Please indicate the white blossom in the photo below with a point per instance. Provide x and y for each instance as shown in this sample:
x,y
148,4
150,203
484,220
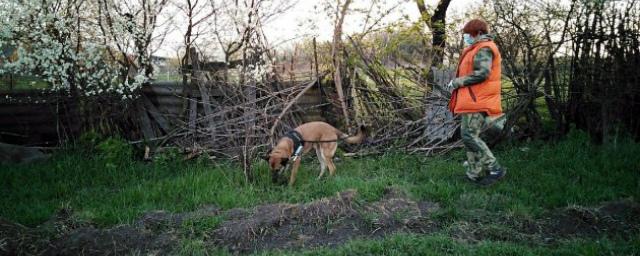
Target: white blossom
x,y
46,45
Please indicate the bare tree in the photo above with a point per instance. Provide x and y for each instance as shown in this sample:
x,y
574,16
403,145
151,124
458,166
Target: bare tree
x,y
529,38
602,84
196,12
336,55
130,28
436,22
236,29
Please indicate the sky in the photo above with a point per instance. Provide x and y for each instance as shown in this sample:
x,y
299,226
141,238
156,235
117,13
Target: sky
x,y
307,20
288,25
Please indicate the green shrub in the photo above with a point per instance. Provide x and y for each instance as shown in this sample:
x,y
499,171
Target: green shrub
x,y
168,156
113,151
89,140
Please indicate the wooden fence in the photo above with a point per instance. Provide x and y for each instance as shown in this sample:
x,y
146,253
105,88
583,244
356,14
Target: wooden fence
x,y
36,117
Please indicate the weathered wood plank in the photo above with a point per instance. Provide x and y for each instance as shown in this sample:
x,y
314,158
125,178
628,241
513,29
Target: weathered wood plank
x,y
193,115
156,114
145,121
200,80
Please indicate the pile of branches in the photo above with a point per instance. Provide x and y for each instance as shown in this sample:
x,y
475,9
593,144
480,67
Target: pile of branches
x,y
400,110
405,111
239,122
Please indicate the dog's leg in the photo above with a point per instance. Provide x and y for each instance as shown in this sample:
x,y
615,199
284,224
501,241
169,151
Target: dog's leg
x,y
294,171
332,167
327,154
323,166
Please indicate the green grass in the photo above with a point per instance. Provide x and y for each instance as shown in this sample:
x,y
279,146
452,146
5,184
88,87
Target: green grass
x,y
199,226
108,190
168,77
22,83
404,244
440,244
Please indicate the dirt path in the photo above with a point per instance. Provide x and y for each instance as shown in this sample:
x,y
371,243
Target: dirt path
x,y
326,222
329,222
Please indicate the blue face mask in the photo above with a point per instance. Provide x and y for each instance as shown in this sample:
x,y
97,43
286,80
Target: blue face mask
x,y
468,39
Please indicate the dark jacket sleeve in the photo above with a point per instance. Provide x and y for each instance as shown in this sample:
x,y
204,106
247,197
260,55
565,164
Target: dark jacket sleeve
x,y
482,62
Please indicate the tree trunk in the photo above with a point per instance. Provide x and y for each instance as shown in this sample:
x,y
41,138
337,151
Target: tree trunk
x,y
337,59
439,29
437,24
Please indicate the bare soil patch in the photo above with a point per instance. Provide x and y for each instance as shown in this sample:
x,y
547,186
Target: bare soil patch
x,y
616,219
327,222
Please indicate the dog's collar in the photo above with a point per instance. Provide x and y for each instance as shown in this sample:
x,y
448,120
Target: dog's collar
x,y
298,142
298,145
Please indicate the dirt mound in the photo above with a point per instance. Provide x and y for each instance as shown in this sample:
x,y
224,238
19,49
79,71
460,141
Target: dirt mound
x,y
325,222
18,239
611,219
154,233
13,236
618,218
158,221
113,241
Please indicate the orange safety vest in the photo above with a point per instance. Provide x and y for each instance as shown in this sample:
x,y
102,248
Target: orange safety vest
x,y
481,97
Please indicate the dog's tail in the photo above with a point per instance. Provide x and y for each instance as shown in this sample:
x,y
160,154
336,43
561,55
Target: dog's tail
x,y
356,139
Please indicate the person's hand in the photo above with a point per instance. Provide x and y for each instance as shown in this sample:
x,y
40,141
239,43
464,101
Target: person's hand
x,y
450,86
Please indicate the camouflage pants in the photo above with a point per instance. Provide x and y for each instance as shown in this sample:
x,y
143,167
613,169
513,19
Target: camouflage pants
x,y
480,160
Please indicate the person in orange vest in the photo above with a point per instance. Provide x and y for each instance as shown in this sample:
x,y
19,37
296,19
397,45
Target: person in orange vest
x,y
476,98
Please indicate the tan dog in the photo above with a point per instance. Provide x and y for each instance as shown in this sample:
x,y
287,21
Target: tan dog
x,y
320,136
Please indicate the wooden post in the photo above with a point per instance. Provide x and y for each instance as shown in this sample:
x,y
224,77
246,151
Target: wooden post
x,y
315,59
291,76
186,90
197,78
193,115
311,73
317,77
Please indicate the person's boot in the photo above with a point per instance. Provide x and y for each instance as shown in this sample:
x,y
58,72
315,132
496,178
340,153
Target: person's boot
x,y
493,177
498,173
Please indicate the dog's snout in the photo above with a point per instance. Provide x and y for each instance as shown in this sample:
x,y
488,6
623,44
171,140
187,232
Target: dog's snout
x,y
275,176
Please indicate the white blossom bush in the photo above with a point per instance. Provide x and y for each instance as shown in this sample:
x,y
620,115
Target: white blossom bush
x,y
60,48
